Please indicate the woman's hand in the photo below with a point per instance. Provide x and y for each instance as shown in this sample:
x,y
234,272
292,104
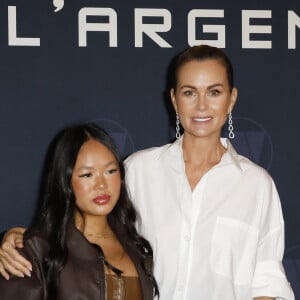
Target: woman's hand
x,y
10,259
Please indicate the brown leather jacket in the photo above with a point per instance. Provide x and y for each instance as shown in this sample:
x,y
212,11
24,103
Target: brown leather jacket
x,y
81,278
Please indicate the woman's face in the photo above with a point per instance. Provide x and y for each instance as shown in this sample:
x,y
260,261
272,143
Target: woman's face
x,y
203,98
96,180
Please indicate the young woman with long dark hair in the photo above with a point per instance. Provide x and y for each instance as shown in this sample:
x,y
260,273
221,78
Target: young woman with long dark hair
x,y
83,243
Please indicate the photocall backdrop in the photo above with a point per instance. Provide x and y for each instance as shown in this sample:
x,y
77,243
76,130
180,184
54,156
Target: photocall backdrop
x,y
106,61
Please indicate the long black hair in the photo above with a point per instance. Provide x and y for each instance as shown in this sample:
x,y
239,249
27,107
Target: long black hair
x,y
57,203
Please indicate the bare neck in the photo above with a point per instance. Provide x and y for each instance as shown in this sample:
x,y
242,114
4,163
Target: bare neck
x,y
199,151
91,225
200,155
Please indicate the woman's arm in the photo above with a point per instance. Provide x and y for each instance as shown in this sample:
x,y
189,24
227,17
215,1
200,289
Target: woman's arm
x,y
269,276
10,259
33,287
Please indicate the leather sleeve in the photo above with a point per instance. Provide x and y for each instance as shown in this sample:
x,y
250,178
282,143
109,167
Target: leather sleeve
x,y
34,287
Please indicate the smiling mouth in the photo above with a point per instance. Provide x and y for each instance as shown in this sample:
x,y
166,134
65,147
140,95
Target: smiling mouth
x,y
202,119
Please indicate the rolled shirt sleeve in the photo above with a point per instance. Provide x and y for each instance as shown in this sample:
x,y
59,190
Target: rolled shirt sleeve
x,y
269,276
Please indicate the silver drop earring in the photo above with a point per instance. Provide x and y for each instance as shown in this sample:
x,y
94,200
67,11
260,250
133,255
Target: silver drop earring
x,y
230,126
177,127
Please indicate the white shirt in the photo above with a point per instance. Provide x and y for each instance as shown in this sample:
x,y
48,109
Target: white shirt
x,y
224,240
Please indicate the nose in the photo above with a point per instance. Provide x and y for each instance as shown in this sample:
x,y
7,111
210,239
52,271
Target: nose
x,y
201,102
100,182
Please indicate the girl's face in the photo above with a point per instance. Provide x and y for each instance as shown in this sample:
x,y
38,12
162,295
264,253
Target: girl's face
x,y
96,180
203,98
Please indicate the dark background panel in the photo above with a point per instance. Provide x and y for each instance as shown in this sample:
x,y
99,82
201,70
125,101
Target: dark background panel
x,y
123,89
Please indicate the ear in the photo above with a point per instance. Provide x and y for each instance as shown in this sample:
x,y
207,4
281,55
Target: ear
x,y
173,99
233,98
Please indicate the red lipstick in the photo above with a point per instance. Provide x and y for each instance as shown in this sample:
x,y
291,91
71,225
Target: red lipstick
x,y
102,199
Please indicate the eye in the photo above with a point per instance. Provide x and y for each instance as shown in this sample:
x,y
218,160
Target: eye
x,y
111,171
188,93
86,175
214,92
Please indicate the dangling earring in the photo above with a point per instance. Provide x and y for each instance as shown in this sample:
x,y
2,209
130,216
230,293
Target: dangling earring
x,y
177,126
230,126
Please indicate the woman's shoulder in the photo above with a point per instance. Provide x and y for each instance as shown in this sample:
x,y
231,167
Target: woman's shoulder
x,y
34,235
149,154
35,244
253,170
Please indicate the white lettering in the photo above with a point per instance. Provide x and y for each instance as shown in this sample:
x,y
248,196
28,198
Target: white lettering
x,y
151,29
152,22
218,29
247,29
58,4
84,27
13,39
293,21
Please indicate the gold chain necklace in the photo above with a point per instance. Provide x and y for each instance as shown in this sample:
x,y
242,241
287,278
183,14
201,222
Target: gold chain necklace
x,y
104,235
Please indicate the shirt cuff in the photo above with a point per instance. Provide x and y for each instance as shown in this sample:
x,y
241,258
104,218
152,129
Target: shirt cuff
x,y
270,281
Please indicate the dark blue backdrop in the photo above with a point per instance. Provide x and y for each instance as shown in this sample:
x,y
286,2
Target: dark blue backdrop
x,y
49,79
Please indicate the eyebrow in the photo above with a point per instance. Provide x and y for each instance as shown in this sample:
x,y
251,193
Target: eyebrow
x,y
209,87
215,85
113,162
187,86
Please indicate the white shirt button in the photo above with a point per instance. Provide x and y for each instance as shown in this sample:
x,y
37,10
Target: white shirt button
x,y
187,238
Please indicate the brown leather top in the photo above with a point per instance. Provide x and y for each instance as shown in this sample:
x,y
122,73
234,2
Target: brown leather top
x,y
123,288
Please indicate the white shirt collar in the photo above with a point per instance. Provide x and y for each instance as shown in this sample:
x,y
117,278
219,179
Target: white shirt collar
x,y
174,152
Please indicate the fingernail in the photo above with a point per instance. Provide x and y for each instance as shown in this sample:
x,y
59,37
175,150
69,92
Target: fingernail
x,y
28,273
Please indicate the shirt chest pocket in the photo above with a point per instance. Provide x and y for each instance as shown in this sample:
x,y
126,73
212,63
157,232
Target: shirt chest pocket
x,y
233,250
